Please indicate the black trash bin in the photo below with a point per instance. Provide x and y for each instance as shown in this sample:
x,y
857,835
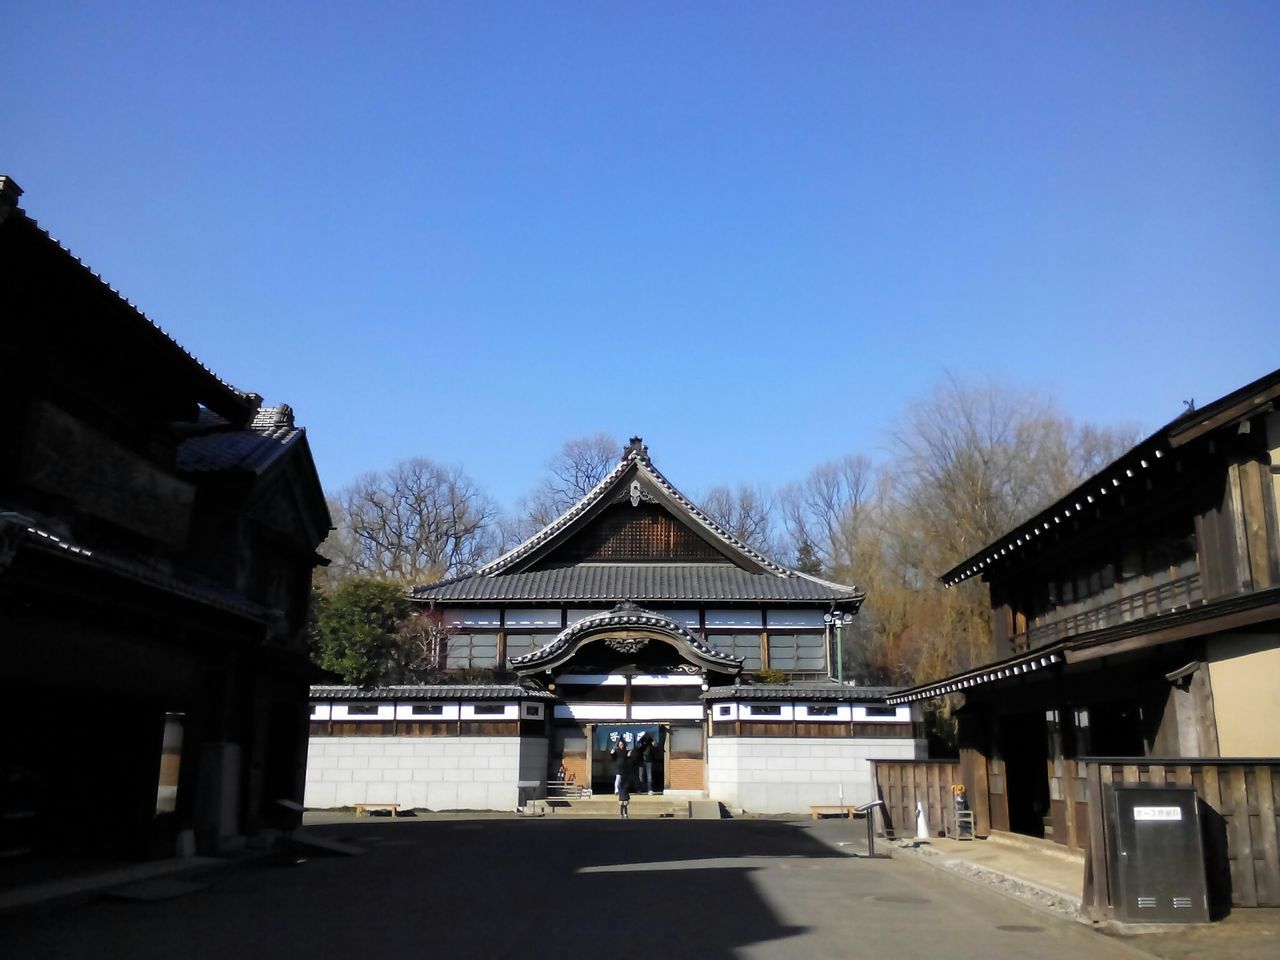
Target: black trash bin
x,y
1156,852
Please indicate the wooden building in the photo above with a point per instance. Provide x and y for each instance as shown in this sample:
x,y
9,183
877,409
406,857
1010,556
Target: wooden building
x,y
1138,626
635,612
157,535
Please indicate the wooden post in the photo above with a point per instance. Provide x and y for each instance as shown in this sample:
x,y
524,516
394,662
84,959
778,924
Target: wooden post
x,y
1097,886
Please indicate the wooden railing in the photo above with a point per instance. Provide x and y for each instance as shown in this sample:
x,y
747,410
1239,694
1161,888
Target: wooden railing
x,y
901,784
1242,797
1161,598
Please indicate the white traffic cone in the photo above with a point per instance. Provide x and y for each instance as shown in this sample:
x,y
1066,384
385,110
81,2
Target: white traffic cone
x,y
922,825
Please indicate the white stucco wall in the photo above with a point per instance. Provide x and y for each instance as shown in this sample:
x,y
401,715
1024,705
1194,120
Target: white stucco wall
x,y
789,775
432,773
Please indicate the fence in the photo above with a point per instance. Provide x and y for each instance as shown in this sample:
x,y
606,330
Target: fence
x,y
904,783
1243,799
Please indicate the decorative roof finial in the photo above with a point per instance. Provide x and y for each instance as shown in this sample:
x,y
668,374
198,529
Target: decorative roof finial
x,y
9,194
636,448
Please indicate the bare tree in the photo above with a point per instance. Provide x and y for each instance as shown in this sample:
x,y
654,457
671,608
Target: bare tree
x,y
416,523
571,474
824,512
747,513
971,461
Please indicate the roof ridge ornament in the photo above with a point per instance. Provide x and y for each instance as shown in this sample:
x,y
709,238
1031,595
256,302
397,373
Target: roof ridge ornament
x,y
636,449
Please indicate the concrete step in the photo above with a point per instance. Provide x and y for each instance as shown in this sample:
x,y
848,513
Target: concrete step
x,y
640,807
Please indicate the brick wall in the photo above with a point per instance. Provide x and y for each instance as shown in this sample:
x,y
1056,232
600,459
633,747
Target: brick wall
x,y
686,774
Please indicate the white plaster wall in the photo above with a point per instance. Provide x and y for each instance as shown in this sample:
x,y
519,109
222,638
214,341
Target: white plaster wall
x,y
789,775
432,773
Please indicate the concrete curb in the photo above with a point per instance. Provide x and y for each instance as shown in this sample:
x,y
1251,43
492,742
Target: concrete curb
x,y
1026,891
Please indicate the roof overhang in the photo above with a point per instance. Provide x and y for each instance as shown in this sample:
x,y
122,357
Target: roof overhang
x,y
1234,613
1130,470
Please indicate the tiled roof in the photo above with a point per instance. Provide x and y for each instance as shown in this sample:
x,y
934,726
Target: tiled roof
x,y
636,458
1133,471
431,692
801,691
639,582
182,583
225,448
225,392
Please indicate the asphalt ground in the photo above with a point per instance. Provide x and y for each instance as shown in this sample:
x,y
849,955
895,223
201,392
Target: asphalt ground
x,y
560,889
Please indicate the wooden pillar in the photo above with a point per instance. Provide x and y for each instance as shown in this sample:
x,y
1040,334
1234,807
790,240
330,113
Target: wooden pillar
x,y
974,745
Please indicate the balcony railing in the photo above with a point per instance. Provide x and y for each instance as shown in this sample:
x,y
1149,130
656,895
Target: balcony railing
x,y
1162,598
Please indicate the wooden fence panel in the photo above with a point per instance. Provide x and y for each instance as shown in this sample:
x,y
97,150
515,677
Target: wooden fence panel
x,y
902,784
1245,794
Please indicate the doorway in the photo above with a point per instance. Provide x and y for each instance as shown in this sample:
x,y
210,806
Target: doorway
x,y
1024,744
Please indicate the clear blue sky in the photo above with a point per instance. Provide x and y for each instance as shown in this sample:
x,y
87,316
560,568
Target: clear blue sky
x,y
748,231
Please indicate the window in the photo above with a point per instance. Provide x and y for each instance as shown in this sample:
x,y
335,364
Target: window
x,y
489,710
362,710
724,710
518,644
797,651
463,618
821,710
471,650
734,618
686,742
794,618
544,617
882,711
427,710
744,645
770,711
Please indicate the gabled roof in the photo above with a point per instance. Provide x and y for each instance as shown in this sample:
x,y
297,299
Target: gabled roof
x,y
641,582
221,446
207,387
743,573
1124,473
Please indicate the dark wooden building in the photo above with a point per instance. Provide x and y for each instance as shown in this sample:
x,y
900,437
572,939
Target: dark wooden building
x,y
157,535
1138,621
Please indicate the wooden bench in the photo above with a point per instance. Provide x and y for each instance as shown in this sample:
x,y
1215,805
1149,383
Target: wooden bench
x,y
362,809
834,810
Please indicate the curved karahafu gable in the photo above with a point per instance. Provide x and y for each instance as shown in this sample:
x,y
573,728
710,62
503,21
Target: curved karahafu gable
x,y
637,624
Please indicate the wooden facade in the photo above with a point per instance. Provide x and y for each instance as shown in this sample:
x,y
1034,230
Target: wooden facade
x,y
157,535
1241,811
1139,616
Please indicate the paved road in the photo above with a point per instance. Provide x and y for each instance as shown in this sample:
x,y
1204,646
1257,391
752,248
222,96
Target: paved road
x,y
566,889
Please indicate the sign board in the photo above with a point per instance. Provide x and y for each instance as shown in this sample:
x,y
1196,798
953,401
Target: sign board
x,y
1157,813
608,734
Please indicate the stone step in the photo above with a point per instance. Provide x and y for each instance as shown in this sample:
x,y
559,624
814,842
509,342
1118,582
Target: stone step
x,y
640,807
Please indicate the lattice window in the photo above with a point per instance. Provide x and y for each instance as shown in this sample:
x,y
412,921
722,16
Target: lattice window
x,y
624,533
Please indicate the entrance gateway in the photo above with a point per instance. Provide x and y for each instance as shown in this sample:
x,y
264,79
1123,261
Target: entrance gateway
x,y
632,610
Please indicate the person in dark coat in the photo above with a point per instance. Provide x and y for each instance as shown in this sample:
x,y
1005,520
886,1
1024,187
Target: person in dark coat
x,y
621,765
645,749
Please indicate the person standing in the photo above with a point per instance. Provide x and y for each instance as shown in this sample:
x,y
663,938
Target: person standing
x,y
646,748
624,798
621,766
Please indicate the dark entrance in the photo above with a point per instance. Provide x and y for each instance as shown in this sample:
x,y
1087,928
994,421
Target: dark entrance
x,y
1024,744
605,735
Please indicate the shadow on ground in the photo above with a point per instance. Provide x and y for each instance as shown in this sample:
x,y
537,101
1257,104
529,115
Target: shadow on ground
x,y
461,888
